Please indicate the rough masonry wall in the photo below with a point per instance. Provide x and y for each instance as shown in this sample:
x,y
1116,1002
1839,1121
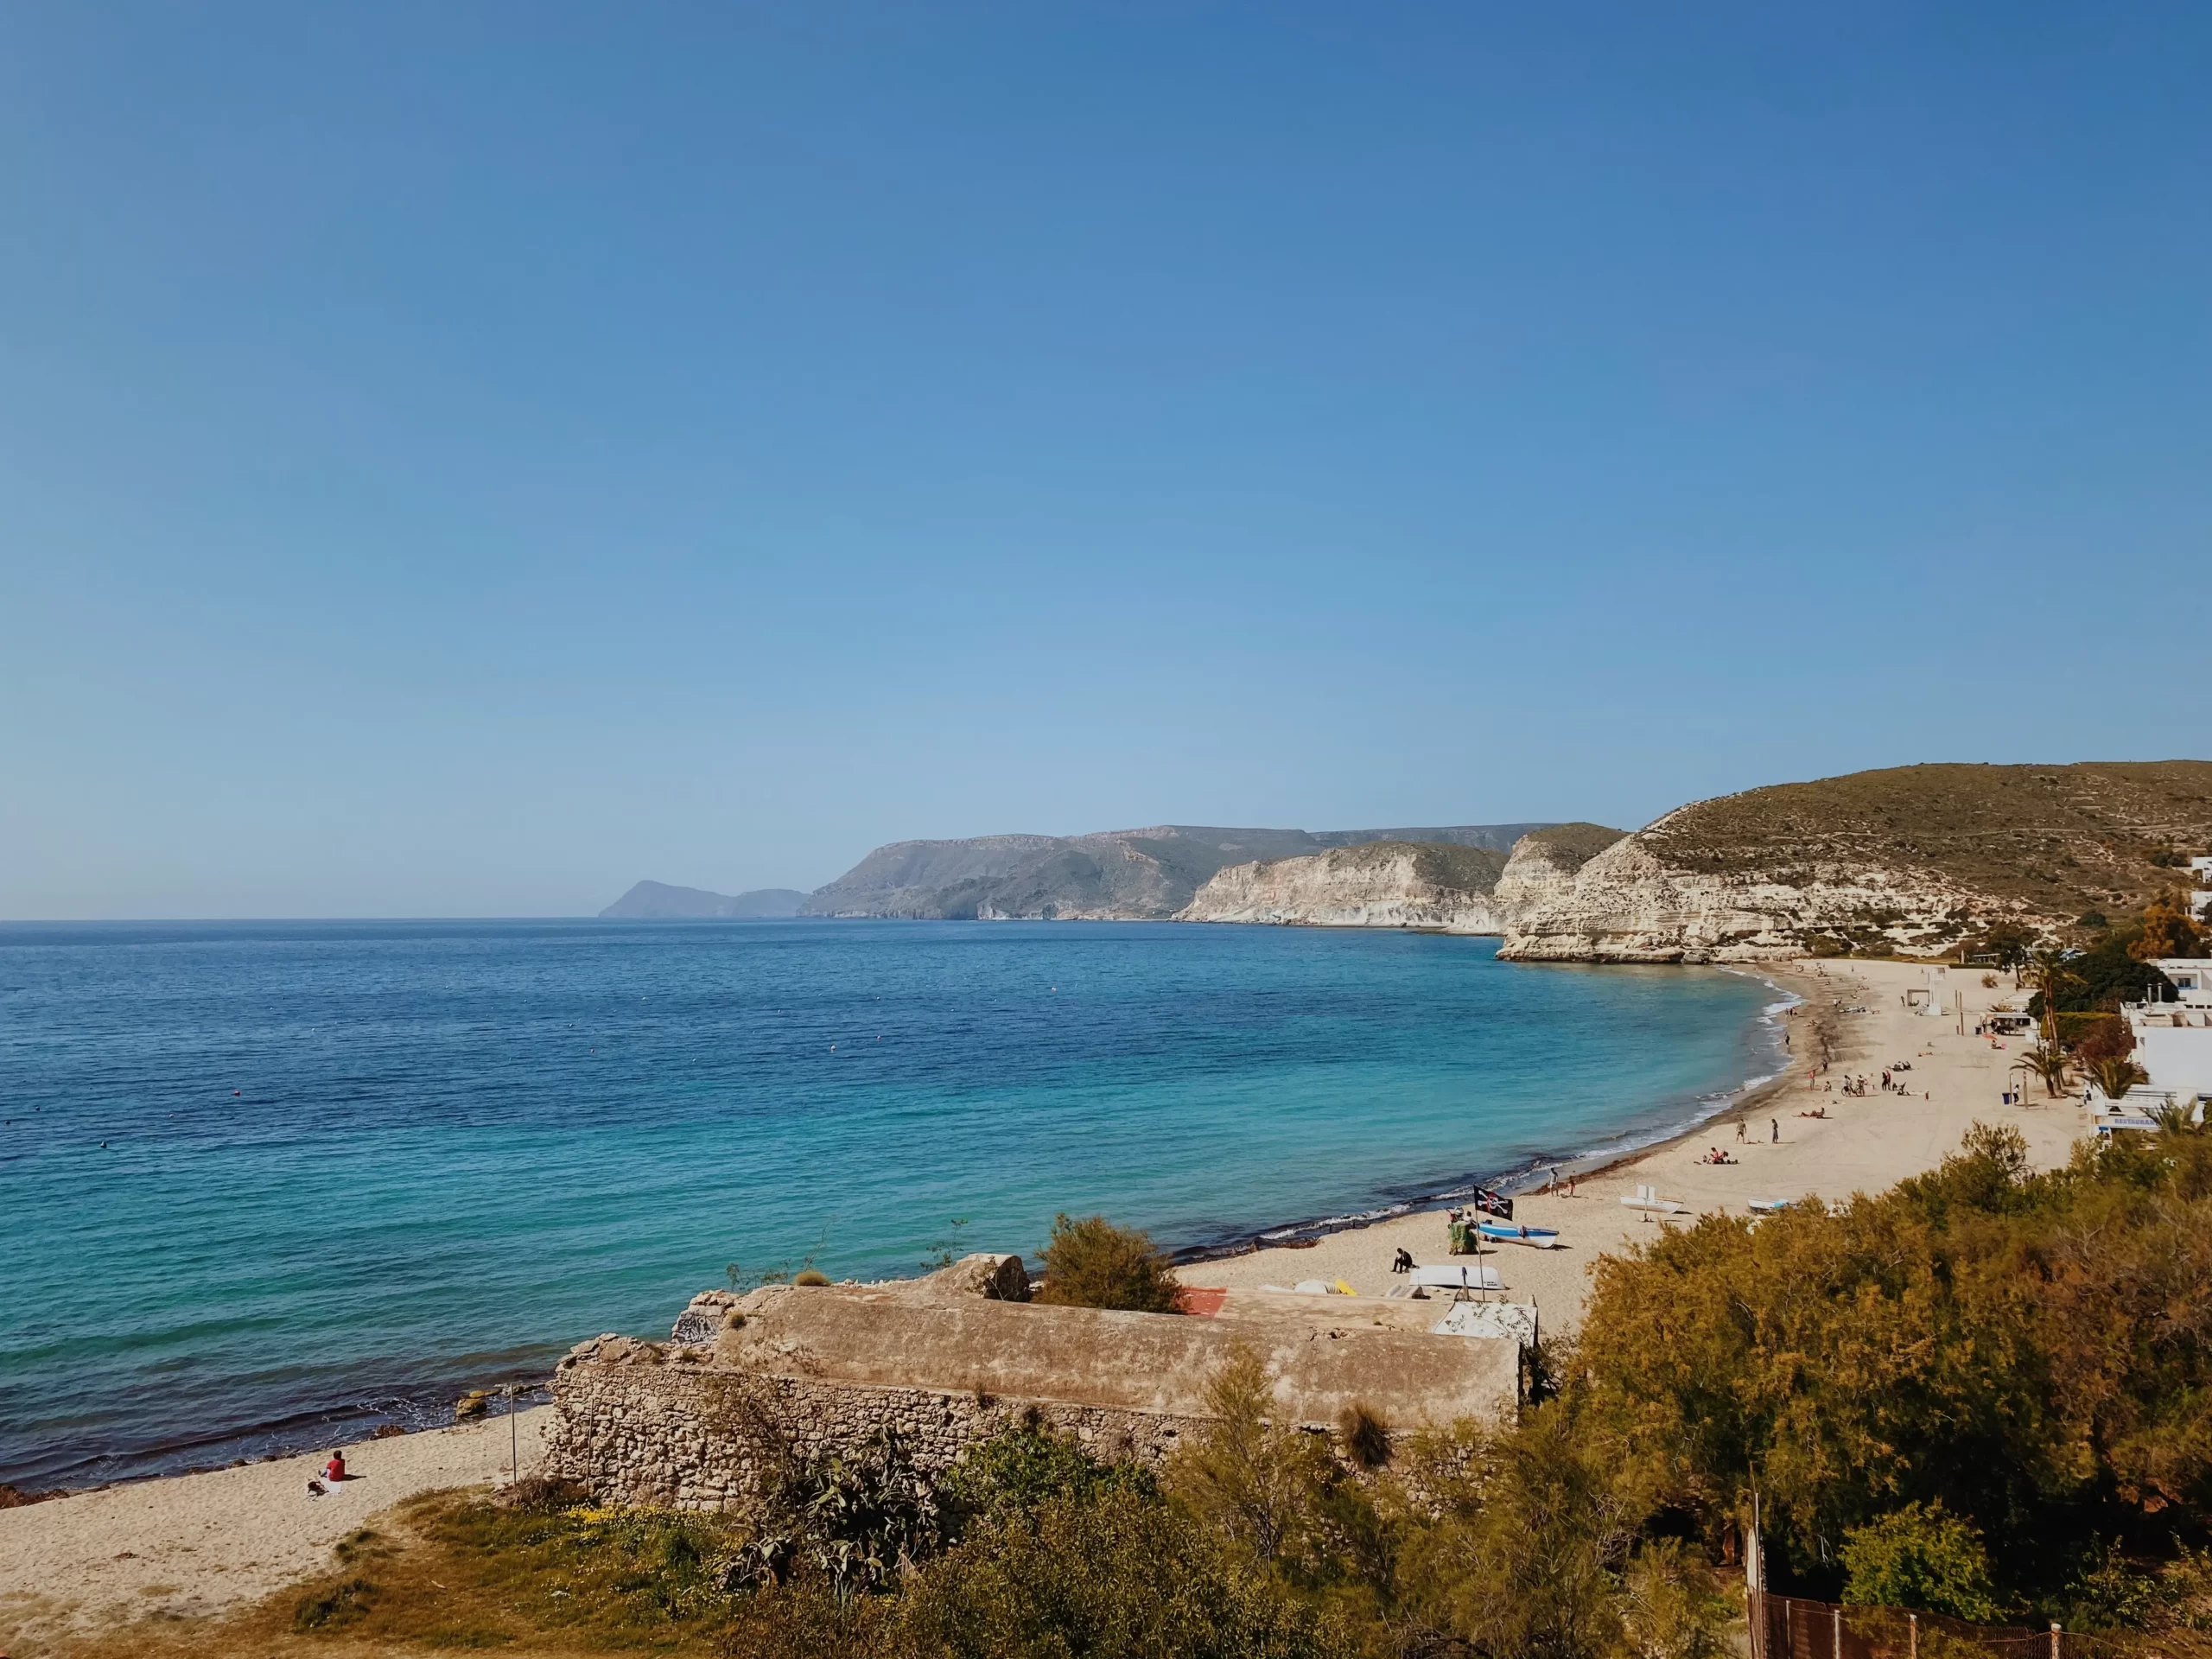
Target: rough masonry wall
x,y
636,1423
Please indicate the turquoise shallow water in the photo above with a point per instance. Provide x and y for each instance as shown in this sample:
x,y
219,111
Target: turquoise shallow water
x,y
352,1167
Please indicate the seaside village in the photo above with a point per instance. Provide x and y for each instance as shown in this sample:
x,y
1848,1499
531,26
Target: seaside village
x,y
1422,1321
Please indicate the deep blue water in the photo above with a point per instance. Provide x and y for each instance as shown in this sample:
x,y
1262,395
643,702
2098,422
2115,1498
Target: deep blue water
x,y
258,1177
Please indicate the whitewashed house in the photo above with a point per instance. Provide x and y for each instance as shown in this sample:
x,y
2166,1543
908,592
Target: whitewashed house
x,y
2173,1041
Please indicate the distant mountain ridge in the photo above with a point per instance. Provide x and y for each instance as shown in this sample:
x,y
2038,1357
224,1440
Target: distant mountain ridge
x,y
1148,874
656,901
1916,860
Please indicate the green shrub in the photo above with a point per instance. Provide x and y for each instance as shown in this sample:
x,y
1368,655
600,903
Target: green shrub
x,y
855,1522
1122,1576
1671,1610
2090,1036
1923,1560
1364,1435
2107,1592
1093,1263
1530,1531
1020,1469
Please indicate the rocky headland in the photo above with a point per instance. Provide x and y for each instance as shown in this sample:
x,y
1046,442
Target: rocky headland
x,y
1452,889
1916,860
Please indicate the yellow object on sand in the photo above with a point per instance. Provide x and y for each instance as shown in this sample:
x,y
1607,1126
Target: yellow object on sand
x,y
1343,1289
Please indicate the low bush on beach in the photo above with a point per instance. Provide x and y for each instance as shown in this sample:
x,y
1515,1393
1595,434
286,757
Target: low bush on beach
x,y
1092,1263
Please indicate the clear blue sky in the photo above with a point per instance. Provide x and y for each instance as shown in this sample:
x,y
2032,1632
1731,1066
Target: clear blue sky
x,y
461,459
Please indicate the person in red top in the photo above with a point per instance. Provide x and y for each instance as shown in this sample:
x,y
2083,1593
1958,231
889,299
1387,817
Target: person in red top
x,y
336,1469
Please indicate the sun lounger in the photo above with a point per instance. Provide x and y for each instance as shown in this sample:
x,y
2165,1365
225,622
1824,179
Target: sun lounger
x,y
1768,1206
1647,1198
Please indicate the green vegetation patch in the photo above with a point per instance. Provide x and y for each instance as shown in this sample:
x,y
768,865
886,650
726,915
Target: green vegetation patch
x,y
1089,1262
1971,1385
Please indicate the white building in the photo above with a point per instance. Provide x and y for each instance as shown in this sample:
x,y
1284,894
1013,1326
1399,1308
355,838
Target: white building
x,y
2200,901
2173,1041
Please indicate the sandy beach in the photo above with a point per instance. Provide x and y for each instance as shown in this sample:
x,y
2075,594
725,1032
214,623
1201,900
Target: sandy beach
x,y
1864,1145
197,1545
192,1546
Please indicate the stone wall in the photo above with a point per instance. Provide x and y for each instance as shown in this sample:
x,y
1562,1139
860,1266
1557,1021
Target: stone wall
x,y
786,1373
642,1423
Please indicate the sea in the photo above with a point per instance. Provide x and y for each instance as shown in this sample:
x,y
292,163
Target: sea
x,y
267,1185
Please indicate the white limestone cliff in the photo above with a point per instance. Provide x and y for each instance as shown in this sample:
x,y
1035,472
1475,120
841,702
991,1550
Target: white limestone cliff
x,y
1381,884
1630,903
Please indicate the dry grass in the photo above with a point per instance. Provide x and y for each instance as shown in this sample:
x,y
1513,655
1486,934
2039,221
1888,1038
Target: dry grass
x,y
1575,844
454,1572
2061,841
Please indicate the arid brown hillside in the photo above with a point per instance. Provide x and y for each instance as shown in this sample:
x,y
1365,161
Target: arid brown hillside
x,y
2060,840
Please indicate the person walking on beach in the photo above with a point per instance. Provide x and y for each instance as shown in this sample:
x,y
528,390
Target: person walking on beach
x,y
1739,1128
1774,1130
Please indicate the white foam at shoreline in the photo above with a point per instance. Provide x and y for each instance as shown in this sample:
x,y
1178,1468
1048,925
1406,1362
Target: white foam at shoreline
x,y
1605,1152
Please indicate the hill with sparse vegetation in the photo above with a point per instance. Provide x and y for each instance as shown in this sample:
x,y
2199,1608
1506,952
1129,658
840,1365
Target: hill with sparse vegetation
x,y
1918,859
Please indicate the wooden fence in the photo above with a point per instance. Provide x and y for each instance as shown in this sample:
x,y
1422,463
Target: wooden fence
x,y
1792,1627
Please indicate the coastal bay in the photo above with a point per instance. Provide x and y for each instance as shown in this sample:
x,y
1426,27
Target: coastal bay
x,y
83,1564
1851,1020
281,1182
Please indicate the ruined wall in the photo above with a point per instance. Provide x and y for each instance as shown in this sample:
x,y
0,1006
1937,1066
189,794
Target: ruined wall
x,y
790,1372
641,1423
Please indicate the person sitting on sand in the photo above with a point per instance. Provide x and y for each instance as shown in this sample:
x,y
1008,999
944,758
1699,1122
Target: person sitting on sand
x,y
336,1469
1403,1262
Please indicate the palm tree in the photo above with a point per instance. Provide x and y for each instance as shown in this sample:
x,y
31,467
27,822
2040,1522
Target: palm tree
x,y
2048,973
2174,1118
2116,1074
2051,1063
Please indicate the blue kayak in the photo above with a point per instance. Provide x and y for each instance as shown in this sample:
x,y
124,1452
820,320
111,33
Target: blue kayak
x,y
1507,1232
